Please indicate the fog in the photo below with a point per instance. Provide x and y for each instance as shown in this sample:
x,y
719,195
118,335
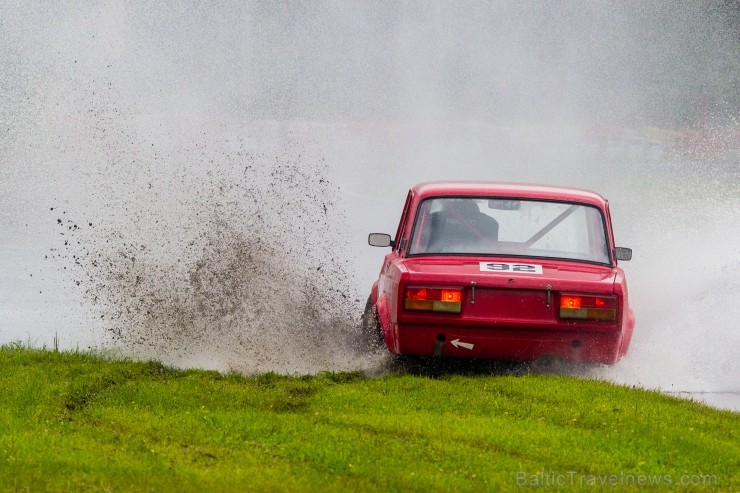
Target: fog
x,y
195,183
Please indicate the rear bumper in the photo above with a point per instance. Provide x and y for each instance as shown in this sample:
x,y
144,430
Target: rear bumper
x,y
507,344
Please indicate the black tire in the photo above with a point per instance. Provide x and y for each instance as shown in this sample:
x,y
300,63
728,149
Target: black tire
x,y
371,333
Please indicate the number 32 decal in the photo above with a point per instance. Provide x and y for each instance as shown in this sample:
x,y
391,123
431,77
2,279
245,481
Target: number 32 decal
x,y
510,268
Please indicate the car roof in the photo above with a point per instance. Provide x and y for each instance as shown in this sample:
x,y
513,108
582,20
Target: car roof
x,y
503,189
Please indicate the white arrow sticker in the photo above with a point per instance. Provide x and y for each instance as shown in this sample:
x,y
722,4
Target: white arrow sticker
x,y
466,345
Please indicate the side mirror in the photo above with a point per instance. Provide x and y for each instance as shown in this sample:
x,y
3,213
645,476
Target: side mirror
x,y
379,240
623,253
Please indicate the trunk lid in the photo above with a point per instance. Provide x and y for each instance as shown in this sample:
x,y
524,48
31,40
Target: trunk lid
x,y
510,290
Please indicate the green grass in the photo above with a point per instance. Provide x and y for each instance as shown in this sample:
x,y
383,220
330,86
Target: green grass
x,y
74,421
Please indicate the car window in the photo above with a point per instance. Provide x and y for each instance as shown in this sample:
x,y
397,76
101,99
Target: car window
x,y
502,226
400,240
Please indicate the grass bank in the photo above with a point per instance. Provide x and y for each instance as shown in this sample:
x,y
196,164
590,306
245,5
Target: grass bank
x,y
72,422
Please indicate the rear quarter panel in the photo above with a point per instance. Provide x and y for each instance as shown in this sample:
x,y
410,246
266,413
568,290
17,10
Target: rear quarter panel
x,y
628,316
388,297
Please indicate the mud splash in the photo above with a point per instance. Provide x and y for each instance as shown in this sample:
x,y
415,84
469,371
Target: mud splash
x,y
240,266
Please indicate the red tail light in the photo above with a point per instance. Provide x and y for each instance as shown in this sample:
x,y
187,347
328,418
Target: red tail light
x,y
434,299
570,301
588,307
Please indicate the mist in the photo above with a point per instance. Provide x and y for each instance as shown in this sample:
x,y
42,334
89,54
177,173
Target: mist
x,y
195,183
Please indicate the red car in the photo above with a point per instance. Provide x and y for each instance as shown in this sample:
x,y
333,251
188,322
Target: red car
x,y
502,271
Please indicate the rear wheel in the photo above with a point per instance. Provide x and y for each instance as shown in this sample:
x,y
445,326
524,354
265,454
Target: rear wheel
x,y
372,334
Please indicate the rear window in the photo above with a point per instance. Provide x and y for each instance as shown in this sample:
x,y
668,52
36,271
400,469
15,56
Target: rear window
x,y
504,226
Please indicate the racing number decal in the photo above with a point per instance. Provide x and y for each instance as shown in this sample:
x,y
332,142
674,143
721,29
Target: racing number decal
x,y
510,268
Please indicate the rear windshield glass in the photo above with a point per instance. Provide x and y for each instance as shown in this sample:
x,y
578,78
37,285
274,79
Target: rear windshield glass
x,y
500,226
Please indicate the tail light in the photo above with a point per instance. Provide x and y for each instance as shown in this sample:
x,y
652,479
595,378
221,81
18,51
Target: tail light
x,y
447,300
588,307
